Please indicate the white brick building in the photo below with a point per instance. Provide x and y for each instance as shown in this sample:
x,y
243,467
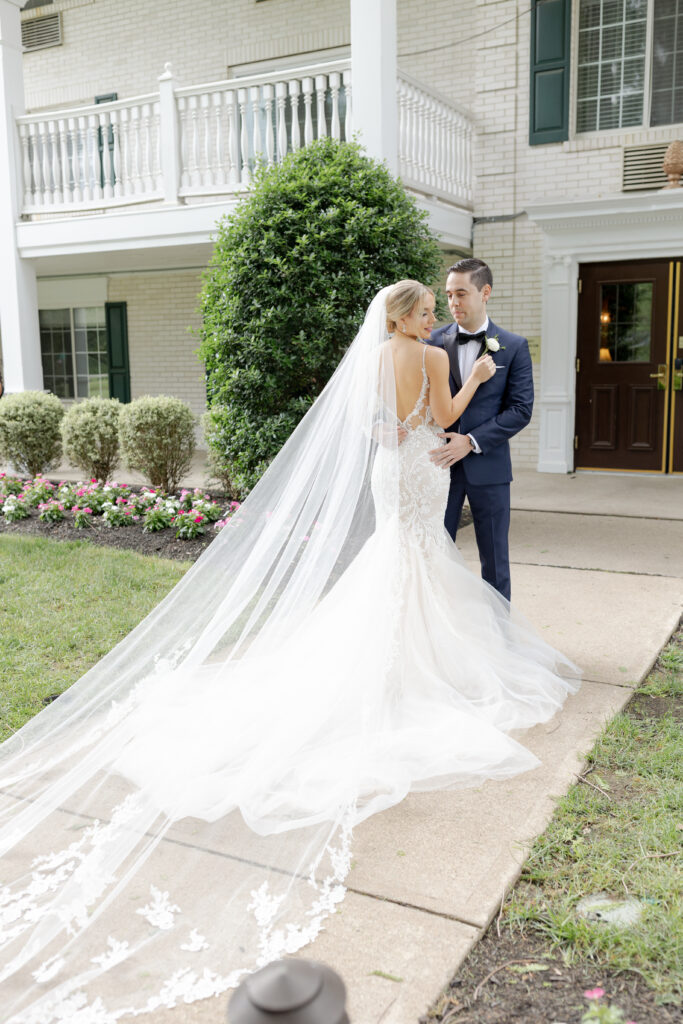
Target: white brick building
x,y
533,134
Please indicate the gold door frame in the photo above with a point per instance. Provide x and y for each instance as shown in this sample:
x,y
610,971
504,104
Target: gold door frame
x,y
672,332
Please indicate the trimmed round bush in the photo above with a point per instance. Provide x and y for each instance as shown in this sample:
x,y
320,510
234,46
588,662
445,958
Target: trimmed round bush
x,y
90,436
30,437
293,271
157,438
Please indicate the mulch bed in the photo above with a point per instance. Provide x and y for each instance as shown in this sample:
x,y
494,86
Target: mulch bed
x,y
491,986
162,543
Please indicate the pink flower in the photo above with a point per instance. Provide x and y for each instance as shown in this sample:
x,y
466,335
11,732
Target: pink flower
x,y
88,511
198,519
594,993
81,492
75,508
93,479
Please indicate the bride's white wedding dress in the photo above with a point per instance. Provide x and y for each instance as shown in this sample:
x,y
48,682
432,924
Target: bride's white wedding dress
x,y
201,823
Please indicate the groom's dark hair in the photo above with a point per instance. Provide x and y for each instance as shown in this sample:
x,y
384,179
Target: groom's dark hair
x,y
480,272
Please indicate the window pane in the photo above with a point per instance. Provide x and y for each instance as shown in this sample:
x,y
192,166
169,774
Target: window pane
x,y
589,14
667,62
611,64
625,322
90,344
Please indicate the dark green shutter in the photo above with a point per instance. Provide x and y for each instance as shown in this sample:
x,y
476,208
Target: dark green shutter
x,y
117,346
550,57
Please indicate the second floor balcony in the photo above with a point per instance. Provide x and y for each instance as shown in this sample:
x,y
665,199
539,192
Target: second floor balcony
x,y
193,145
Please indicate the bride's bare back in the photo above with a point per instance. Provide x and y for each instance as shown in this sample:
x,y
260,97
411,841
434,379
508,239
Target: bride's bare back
x,y
408,360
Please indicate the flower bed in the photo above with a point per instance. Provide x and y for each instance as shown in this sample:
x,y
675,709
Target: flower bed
x,y
145,519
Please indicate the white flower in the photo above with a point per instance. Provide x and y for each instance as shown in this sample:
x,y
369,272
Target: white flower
x,y
492,344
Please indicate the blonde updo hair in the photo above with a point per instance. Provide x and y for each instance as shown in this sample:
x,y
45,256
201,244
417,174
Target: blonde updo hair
x,y
402,299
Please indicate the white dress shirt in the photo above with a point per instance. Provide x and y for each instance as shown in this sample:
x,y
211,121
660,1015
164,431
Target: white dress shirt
x,y
467,356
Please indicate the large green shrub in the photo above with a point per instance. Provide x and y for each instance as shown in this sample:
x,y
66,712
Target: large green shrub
x,y
157,437
90,435
293,271
29,431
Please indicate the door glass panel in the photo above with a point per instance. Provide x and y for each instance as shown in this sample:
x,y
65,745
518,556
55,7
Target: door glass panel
x,y
625,322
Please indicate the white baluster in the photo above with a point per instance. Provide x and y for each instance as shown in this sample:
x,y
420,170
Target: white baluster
x,y
257,144
233,138
468,162
307,89
45,162
116,154
184,141
281,93
268,95
219,166
245,176
431,142
26,165
76,192
135,145
415,132
402,130
294,107
94,153
205,166
421,171
320,91
335,82
55,172
146,148
348,118
126,161
36,175
107,174
157,172
64,166
193,142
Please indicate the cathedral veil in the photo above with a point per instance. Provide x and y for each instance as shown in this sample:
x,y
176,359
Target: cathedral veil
x,y
176,818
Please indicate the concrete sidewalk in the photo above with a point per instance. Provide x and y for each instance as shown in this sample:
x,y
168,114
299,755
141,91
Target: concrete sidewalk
x,y
597,566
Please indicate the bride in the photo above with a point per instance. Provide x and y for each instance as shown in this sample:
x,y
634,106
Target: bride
x,y
184,813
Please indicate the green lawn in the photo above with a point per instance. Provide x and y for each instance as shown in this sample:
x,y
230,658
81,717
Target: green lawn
x,y
62,606
621,832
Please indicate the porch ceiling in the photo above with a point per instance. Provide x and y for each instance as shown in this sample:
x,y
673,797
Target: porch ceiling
x,y
156,238
166,238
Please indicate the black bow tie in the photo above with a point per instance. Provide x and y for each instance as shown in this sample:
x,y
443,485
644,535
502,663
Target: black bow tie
x,y
463,339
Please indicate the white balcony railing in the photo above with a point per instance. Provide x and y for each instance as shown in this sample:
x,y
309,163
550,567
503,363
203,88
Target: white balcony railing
x,y
206,140
435,143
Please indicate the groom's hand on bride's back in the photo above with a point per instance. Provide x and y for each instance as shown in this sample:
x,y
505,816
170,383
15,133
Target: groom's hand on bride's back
x,y
456,448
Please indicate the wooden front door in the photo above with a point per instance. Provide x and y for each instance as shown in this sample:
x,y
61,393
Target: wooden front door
x,y
675,455
626,367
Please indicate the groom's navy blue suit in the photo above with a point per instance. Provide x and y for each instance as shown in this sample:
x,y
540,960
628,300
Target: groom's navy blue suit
x,y
500,408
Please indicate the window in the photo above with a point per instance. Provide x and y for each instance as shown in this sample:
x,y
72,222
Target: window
x,y
73,345
667,63
630,64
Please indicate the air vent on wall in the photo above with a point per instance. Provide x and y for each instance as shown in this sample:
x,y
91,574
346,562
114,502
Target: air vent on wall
x,y
37,33
643,167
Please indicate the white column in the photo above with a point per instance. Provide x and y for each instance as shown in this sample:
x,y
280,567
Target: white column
x,y
556,402
169,133
22,369
374,77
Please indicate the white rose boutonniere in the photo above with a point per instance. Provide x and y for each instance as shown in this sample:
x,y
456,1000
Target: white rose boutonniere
x,y
493,345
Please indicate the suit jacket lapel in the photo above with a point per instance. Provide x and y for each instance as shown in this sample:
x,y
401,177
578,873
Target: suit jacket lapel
x,y
450,343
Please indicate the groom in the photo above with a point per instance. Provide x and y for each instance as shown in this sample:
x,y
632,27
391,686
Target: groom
x,y
477,452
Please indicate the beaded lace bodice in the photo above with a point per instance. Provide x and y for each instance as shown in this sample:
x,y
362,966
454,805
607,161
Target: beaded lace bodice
x,y
423,486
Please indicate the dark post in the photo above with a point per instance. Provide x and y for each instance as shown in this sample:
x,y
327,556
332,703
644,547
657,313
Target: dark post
x,y
290,992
